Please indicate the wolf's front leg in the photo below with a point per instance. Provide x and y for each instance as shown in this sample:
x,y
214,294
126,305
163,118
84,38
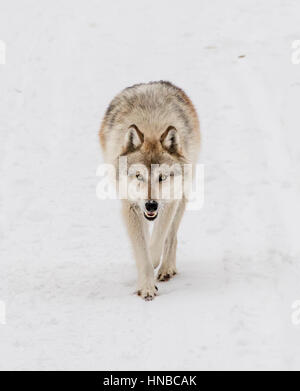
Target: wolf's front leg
x,y
168,265
139,235
160,231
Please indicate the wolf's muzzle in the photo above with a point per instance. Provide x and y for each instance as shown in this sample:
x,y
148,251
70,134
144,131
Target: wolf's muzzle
x,y
151,206
151,210
150,215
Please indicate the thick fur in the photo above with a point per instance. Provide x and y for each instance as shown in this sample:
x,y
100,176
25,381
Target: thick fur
x,y
153,123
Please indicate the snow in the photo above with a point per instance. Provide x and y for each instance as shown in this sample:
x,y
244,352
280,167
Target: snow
x,y
67,275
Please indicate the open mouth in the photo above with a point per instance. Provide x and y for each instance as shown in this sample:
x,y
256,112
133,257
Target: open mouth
x,y
150,215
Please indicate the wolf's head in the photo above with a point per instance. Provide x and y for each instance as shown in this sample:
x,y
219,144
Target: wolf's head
x,y
154,169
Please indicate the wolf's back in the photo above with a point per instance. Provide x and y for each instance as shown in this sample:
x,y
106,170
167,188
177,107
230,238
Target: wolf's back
x,y
152,107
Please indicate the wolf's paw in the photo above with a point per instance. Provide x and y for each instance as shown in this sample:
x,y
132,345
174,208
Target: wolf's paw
x,y
166,272
148,292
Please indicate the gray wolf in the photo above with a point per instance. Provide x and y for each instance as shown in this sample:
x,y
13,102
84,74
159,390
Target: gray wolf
x,y
152,125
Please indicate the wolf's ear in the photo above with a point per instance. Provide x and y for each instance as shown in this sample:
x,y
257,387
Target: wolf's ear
x,y
170,140
133,140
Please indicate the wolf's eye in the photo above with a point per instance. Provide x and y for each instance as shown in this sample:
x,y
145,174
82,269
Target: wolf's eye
x,y
139,177
162,177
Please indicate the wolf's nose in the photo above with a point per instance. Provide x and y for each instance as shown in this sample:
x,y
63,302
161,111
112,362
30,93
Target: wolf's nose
x,y
151,206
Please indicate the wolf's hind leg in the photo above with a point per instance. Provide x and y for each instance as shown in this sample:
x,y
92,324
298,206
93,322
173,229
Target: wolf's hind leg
x,y
168,266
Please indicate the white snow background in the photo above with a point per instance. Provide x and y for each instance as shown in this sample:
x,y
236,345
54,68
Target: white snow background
x,y
67,274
